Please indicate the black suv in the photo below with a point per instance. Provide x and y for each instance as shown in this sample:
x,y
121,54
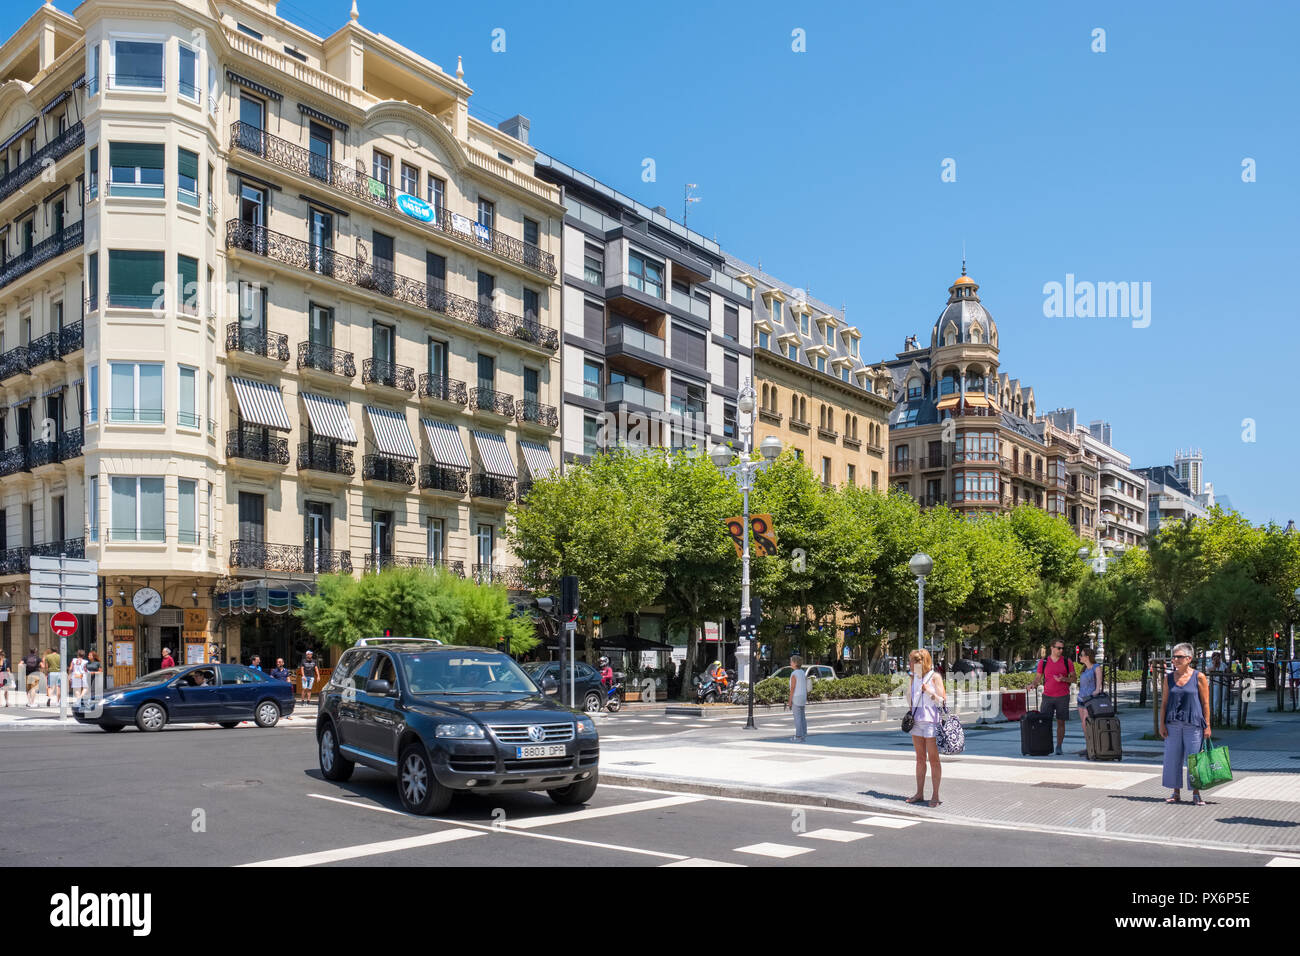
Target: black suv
x,y
444,718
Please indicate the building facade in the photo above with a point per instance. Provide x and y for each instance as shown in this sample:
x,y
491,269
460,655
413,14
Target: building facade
x,y
318,308
1168,499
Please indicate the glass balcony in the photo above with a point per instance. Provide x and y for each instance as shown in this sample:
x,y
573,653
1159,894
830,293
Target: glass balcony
x,y
632,337
624,392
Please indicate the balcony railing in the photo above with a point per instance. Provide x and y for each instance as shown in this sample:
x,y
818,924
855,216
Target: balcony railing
x,y
321,454
15,561
901,466
43,453
933,501
54,150
13,460
71,338
377,372
538,414
486,399
620,392
490,486
70,443
72,547
14,362
522,487
509,575
272,345
364,275
67,239
443,478
444,389
378,562
288,557
256,444
355,183
44,349
935,461
387,468
633,337
326,359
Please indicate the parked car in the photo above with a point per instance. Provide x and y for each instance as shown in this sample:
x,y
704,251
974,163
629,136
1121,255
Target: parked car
x,y
587,688
224,694
815,672
967,667
1024,667
994,667
442,718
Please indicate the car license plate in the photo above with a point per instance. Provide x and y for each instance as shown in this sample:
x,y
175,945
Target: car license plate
x,y
546,750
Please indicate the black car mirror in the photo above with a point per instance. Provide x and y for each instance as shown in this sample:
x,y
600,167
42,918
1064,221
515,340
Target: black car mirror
x,y
380,688
549,685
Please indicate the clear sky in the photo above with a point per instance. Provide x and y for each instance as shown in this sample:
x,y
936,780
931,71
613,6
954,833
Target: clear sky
x,y
825,165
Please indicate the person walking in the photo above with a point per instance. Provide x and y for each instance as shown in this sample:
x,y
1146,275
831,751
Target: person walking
x,y
6,679
32,665
1089,683
925,694
307,675
797,700
53,677
77,675
1055,674
1183,721
167,659
94,675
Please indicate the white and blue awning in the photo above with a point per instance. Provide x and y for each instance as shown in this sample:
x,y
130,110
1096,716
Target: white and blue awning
x,y
538,459
445,443
392,434
494,454
329,418
261,404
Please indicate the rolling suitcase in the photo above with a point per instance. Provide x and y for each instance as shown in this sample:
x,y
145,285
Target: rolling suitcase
x,y
1035,733
1102,737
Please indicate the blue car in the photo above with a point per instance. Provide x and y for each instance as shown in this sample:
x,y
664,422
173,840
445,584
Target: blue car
x,y
222,694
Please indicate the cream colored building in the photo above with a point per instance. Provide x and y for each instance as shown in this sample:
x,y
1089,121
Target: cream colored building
x,y
319,304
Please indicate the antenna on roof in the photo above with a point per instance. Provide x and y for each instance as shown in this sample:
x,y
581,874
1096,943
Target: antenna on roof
x,y
963,257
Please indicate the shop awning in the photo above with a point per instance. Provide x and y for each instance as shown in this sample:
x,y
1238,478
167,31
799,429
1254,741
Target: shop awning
x,y
392,434
445,443
260,403
23,129
538,459
329,418
976,398
948,401
495,455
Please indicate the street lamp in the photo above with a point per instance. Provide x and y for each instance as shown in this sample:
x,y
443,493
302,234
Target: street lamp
x,y
1291,655
921,565
1099,567
744,472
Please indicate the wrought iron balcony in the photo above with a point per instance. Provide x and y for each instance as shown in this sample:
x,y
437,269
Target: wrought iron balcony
x,y
44,349
486,399
538,414
933,501
13,460
14,362
377,372
901,466
365,275
387,468
71,338
72,547
272,345
444,389
522,488
934,461
511,576
257,444
378,562
443,478
323,454
43,453
54,150
70,443
69,238
288,557
491,486
326,359
15,561
344,179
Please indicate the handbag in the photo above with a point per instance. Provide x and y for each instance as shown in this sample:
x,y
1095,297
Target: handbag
x,y
1099,705
1209,766
950,733
909,718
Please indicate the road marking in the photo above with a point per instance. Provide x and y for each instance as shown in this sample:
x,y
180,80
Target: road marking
x,y
778,850
1284,861
371,849
835,836
697,861
892,823
595,813
1263,786
664,723
630,720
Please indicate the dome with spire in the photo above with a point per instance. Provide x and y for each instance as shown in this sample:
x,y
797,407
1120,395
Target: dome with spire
x,y
964,321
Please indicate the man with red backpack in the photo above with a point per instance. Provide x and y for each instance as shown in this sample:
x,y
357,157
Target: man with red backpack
x,y
1055,674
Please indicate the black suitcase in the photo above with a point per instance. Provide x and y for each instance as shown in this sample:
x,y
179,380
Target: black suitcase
x,y
1103,738
1035,733
1100,705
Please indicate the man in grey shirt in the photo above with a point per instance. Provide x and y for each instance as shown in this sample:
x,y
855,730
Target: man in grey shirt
x,y
798,699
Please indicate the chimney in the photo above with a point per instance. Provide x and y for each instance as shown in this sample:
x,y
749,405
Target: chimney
x,y
661,210
516,126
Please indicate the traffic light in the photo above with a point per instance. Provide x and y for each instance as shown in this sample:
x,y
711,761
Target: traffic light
x,y
569,597
388,632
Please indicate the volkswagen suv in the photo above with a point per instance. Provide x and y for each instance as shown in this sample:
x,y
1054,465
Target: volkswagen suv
x,y
441,718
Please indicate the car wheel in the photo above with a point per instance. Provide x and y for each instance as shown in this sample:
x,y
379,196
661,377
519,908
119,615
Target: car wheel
x,y
228,724
111,728
267,714
420,792
614,704
333,765
592,703
151,717
576,793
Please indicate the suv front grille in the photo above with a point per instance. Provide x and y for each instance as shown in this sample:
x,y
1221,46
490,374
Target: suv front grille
x,y
472,763
518,733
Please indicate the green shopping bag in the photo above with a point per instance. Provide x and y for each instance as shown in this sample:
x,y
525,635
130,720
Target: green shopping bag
x,y
1209,766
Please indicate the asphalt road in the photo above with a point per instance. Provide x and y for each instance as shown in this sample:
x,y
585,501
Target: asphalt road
x,y
204,796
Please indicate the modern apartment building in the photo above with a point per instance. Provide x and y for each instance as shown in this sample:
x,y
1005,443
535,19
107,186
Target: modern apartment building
x,y
318,302
656,330
1119,495
1168,498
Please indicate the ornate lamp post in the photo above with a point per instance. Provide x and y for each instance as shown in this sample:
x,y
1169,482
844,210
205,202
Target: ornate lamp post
x,y
921,565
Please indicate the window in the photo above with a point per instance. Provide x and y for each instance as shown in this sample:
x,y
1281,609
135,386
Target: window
x,y
137,392
187,511
532,233
487,366
591,380
438,364
381,344
730,323
187,177
135,278
803,324
437,192
729,421
821,363
487,287
247,31
731,371
485,544
435,272
434,540
252,307
187,285
187,83
530,306
136,169
382,167
777,306
187,416
792,350
92,413
645,274
410,179
593,264
826,471
93,172
383,250
381,534
137,64
764,339
92,71
92,509
137,510
212,404
913,388
851,474
590,431
487,212
320,327
844,372
320,142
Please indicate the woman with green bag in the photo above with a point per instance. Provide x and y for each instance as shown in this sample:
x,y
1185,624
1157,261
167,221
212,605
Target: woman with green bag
x,y
1184,722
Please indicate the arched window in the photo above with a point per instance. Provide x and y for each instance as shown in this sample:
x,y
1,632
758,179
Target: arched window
x,y
794,406
764,402
803,409
976,335
914,387
950,335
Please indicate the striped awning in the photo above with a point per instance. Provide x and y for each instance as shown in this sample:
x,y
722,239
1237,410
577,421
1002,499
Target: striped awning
x,y
392,434
494,454
948,401
55,102
329,417
24,129
444,441
260,403
976,398
538,458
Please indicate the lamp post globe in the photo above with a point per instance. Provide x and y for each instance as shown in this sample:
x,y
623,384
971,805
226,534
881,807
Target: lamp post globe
x,y
921,564
721,456
770,448
746,402
1084,553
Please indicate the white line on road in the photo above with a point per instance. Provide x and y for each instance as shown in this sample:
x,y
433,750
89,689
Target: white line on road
x,y
697,861
1284,861
595,813
892,823
371,849
778,850
835,836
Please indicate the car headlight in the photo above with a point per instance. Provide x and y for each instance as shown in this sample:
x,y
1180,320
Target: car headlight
x,y
112,698
462,731
586,727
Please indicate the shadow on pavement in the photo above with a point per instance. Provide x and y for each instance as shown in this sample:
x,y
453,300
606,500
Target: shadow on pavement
x,y
1258,821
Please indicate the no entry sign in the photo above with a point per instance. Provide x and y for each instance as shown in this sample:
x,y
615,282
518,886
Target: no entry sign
x,y
64,624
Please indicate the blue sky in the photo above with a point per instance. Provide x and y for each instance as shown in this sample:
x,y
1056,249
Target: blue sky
x,y
825,165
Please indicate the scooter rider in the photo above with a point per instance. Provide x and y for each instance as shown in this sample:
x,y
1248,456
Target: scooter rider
x,y
718,674
606,673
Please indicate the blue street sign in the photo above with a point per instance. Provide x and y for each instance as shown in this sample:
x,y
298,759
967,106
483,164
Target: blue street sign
x,y
108,602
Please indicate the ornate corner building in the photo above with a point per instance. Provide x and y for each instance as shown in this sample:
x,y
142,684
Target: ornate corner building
x,y
271,305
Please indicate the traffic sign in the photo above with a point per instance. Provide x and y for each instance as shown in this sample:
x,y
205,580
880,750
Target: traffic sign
x,y
48,592
63,584
71,565
55,578
53,607
64,624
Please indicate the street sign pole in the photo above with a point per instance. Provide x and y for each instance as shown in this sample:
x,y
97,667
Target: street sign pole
x,y
572,628
60,586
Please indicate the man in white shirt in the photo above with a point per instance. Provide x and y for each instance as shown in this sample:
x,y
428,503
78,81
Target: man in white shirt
x,y
798,699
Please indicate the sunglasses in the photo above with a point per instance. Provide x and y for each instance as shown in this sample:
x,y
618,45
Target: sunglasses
x,y
1182,657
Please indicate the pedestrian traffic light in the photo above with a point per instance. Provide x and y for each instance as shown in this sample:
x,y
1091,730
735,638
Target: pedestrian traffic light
x,y
569,597
388,632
